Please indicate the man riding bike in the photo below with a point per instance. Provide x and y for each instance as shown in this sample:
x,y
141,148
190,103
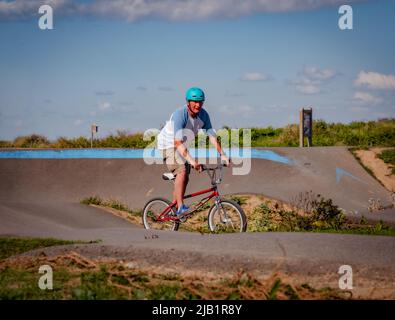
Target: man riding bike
x,y
172,142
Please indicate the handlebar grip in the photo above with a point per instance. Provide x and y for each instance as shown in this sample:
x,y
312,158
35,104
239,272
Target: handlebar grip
x,y
223,163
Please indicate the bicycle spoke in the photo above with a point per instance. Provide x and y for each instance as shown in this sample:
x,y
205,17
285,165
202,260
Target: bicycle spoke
x,y
153,217
227,218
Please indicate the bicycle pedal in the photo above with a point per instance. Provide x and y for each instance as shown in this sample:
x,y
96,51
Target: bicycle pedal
x,y
184,217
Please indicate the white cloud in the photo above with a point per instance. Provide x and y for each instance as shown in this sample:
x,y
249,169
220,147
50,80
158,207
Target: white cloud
x,y
19,123
311,79
202,9
360,109
104,105
105,93
78,122
314,73
133,10
365,97
241,110
255,76
375,80
23,9
307,89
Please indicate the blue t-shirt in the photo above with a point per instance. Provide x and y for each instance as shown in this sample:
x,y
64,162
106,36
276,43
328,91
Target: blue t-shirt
x,y
183,127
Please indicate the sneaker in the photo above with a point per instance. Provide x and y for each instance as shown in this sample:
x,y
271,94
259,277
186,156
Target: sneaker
x,y
184,209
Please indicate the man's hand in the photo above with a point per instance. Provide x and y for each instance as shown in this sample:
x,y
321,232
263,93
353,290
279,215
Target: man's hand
x,y
225,160
197,166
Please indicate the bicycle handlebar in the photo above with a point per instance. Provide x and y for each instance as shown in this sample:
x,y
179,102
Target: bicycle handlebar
x,y
214,179
205,168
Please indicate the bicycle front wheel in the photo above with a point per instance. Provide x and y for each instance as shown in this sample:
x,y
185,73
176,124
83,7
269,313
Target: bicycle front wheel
x,y
153,209
227,217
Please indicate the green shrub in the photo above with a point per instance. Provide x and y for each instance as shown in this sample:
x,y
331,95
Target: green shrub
x,y
324,215
5,144
388,156
80,142
358,134
32,141
289,136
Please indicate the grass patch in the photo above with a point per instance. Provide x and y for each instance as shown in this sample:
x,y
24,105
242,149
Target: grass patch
x,y
79,278
307,212
115,204
10,246
311,213
388,156
239,200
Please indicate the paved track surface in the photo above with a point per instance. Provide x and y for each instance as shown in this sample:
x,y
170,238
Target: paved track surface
x,y
40,197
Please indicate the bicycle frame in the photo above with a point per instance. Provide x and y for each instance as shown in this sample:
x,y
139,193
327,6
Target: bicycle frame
x,y
214,193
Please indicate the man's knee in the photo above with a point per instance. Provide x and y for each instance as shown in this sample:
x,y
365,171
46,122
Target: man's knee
x,y
183,175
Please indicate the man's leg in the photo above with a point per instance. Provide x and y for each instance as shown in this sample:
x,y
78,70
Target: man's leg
x,y
176,164
180,185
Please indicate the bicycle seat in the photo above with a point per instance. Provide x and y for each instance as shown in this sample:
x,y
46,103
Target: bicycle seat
x,y
168,176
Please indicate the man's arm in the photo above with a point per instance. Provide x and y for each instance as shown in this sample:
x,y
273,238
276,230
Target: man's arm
x,y
214,140
182,149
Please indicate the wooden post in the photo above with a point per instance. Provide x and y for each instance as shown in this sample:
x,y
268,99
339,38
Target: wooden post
x,y
301,135
306,127
94,129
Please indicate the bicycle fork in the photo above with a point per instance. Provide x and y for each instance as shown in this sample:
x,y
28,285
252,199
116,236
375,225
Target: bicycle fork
x,y
222,212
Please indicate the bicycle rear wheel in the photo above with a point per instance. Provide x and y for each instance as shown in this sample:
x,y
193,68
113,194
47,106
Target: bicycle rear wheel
x,y
151,212
228,217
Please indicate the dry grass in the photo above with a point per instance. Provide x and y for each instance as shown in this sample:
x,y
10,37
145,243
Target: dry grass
x,y
131,282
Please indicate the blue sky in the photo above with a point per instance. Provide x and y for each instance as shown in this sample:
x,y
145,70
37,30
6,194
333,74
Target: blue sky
x,y
126,65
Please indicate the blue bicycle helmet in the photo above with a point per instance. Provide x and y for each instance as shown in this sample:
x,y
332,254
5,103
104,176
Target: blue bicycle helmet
x,y
195,94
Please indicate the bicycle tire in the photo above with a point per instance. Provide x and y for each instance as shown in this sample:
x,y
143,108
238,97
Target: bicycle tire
x,y
240,218
150,224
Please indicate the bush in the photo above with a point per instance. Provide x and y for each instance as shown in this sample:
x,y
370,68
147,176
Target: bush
x,y
5,144
326,215
123,139
32,141
388,156
323,215
358,134
289,136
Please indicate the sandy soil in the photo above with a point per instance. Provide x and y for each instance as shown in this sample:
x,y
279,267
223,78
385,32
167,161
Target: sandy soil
x,y
379,168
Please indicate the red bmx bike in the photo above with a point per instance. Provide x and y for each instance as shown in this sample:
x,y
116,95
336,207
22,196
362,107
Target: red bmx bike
x,y
223,216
